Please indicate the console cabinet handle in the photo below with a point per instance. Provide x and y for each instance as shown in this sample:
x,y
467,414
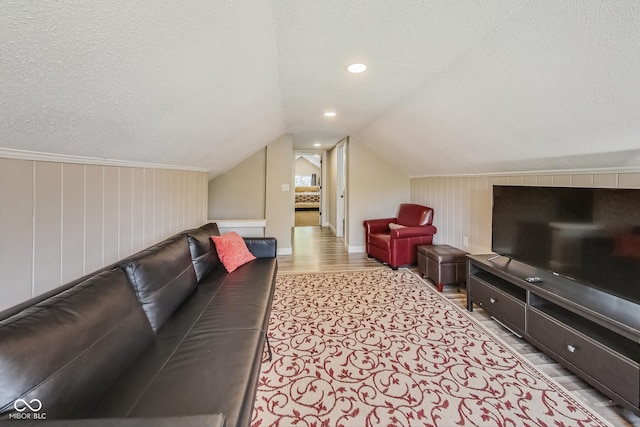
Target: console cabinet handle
x,y
571,348
492,300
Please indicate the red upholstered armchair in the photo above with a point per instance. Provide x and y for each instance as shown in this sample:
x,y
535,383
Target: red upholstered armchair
x,y
395,240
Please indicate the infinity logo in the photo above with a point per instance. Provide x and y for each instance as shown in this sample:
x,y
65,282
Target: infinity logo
x,y
22,405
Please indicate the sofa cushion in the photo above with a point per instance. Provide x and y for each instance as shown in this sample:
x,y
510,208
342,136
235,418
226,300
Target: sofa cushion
x,y
380,240
163,277
201,373
232,251
207,356
183,319
203,252
67,350
262,247
244,300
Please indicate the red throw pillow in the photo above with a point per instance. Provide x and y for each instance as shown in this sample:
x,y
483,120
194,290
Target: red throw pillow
x,y
232,250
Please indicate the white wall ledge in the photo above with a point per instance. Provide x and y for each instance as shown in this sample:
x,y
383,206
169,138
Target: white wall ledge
x,y
240,223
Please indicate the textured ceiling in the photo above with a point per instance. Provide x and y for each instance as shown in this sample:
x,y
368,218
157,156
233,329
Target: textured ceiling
x,y
453,87
555,86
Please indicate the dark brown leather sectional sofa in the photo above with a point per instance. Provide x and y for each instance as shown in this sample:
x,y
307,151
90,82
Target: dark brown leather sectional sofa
x,y
165,333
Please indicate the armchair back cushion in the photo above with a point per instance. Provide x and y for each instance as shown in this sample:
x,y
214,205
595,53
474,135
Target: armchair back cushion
x,y
412,215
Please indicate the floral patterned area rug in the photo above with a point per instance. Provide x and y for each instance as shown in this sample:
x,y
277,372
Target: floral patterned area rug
x,y
382,348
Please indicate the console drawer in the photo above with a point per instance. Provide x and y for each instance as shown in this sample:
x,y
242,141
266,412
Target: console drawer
x,y
503,306
605,366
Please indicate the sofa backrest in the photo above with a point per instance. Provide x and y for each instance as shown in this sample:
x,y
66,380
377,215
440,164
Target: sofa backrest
x,y
203,252
162,277
211,228
413,215
67,350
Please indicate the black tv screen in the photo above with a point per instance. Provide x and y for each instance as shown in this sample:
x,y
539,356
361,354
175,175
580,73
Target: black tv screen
x,y
590,235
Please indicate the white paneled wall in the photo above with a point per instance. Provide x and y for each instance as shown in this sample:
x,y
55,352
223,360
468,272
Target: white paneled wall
x,y
462,205
59,221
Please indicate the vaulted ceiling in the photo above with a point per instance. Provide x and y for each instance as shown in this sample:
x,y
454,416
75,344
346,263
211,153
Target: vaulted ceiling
x,y
453,87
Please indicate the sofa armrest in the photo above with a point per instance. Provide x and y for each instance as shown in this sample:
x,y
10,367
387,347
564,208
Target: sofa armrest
x,y
262,247
378,225
211,420
406,232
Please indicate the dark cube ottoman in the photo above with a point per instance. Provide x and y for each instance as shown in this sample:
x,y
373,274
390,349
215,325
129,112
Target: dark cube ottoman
x,y
442,264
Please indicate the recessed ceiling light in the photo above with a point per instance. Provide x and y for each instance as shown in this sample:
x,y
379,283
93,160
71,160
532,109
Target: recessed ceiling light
x,y
329,114
316,145
356,68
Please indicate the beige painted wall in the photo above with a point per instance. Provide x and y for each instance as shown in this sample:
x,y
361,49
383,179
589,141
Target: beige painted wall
x,y
253,190
246,180
462,205
305,167
279,211
59,221
375,189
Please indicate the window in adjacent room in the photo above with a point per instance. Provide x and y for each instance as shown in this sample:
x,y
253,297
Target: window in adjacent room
x,y
305,180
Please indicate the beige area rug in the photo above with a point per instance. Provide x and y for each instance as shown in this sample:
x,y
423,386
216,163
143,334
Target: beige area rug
x,y
307,218
382,348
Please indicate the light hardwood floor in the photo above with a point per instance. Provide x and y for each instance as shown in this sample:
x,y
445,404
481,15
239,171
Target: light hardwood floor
x,y
317,249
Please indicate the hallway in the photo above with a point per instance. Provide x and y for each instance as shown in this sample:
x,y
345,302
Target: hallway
x,y
318,249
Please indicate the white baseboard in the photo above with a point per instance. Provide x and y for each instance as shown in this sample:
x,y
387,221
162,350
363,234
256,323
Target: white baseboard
x,y
285,251
355,249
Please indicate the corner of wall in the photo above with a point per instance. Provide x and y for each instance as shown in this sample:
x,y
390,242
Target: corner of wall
x,y
278,201
375,190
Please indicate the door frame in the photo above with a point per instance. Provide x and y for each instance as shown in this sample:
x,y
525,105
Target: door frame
x,y
323,179
341,188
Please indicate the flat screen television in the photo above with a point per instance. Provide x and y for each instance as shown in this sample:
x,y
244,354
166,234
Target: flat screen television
x,y
589,235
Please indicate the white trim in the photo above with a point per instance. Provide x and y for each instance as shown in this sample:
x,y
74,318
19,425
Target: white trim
x,y
285,251
33,230
240,223
61,223
332,228
355,249
341,188
10,153
629,169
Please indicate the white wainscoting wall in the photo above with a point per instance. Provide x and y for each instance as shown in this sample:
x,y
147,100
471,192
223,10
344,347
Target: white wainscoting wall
x,y
462,204
59,221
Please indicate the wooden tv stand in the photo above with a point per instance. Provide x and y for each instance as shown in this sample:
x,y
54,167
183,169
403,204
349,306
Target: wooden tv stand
x,y
594,334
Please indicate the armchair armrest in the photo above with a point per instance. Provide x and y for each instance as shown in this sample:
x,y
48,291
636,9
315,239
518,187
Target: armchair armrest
x,y
406,232
378,225
262,247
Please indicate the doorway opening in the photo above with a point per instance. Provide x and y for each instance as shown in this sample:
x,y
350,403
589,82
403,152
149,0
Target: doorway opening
x,y
308,189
